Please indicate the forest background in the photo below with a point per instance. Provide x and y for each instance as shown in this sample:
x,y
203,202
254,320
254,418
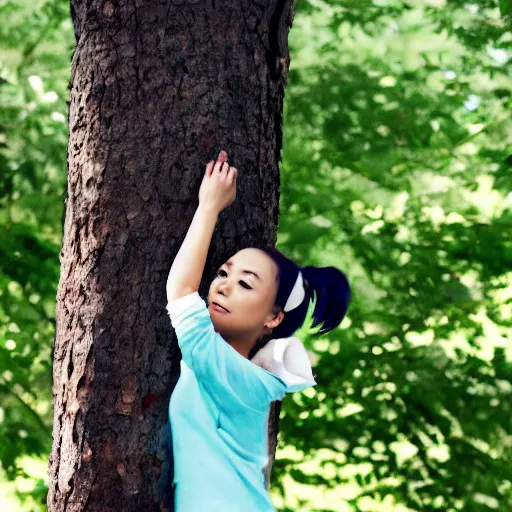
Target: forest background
x,y
396,166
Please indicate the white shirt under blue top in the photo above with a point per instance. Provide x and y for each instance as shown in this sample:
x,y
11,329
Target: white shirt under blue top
x,y
219,412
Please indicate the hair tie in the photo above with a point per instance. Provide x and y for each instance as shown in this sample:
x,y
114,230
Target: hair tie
x,y
296,295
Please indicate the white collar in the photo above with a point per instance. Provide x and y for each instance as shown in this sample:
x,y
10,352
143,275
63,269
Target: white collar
x,y
288,359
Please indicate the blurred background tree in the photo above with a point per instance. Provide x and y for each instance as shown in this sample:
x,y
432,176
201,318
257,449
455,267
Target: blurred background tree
x,y
35,49
396,167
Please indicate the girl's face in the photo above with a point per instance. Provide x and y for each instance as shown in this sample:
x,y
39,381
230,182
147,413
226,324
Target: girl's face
x,y
246,287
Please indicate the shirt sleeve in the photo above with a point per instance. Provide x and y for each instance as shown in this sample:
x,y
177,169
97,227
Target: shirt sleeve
x,y
232,380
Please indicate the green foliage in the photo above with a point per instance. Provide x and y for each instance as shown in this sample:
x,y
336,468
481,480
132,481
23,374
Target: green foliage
x,y
397,154
34,68
396,168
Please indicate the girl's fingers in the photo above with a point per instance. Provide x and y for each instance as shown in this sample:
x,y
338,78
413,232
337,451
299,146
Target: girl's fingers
x,y
221,159
232,175
218,165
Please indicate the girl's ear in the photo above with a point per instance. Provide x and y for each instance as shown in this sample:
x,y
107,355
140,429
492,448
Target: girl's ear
x,y
278,318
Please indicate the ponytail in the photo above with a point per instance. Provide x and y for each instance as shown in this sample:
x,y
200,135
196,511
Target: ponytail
x,y
328,287
332,296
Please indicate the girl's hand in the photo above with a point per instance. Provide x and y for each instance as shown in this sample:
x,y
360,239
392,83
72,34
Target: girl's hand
x,y
218,188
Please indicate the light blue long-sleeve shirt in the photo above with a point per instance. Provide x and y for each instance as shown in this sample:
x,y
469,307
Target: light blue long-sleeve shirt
x,y
219,412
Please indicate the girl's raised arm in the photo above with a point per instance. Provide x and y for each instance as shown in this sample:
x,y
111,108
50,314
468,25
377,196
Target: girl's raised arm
x,y
218,191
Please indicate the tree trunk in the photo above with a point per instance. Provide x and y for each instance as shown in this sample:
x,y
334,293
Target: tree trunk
x,y
157,88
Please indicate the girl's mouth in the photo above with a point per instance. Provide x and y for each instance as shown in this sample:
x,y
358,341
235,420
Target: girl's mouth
x,y
218,308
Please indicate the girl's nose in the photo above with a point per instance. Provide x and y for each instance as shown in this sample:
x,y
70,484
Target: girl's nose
x,y
224,287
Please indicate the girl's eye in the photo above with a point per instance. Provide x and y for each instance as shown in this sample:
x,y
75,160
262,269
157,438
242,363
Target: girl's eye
x,y
223,273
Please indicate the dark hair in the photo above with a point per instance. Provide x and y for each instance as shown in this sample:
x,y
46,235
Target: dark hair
x,y
327,286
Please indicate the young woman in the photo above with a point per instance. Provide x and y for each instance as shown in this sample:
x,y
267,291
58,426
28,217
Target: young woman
x,y
237,355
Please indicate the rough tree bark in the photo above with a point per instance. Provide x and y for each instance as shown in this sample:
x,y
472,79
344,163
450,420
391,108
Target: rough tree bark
x,y
157,88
